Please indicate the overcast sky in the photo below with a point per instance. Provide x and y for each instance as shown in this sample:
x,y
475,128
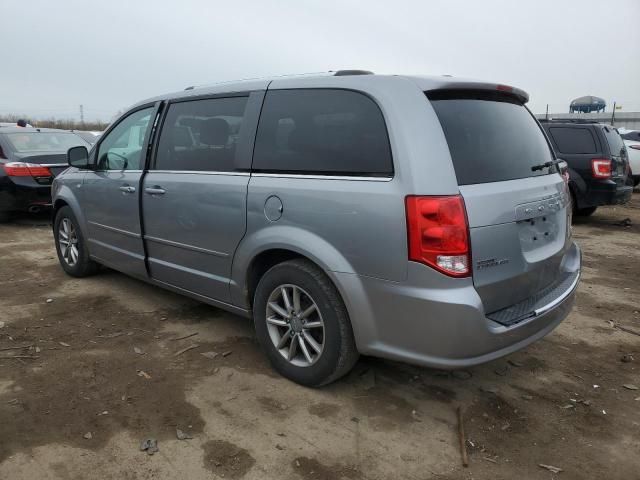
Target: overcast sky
x,y
108,54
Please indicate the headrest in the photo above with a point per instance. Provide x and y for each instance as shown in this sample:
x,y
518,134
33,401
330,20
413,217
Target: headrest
x,y
301,138
181,137
214,131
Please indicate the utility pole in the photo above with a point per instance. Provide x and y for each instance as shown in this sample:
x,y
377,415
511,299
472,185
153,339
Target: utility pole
x,y
82,114
613,114
546,115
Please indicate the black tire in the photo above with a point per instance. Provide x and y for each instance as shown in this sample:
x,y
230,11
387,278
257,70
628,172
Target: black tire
x,y
4,217
84,266
339,353
574,203
585,212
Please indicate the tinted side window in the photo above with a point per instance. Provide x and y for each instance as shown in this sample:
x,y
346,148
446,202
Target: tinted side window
x,y
201,135
322,131
573,140
631,136
122,148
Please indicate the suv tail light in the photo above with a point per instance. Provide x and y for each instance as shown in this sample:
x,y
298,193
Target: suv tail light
x,y
563,168
438,233
21,169
601,168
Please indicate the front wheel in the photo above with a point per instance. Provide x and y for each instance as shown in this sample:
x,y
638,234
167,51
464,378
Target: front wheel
x,y
302,324
70,245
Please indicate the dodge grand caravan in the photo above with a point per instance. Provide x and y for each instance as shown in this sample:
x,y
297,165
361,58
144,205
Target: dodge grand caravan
x,y
421,219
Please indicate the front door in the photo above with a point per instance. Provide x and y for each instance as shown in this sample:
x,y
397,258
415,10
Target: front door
x,y
194,195
111,196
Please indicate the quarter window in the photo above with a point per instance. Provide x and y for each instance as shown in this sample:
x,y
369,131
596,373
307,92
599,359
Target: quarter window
x,y
322,131
121,148
201,135
571,140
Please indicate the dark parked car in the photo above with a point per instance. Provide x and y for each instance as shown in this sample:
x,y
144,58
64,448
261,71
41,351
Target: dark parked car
x,y
598,163
29,159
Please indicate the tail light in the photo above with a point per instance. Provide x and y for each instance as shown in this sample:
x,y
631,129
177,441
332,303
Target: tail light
x,y
563,167
438,233
601,168
21,169
504,88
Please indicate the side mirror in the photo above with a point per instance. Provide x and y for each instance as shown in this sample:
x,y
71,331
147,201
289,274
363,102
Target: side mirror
x,y
78,157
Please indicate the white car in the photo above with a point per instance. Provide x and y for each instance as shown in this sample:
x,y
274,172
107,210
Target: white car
x,y
632,142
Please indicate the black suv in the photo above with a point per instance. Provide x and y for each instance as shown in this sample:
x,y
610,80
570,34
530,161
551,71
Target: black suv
x,y
597,159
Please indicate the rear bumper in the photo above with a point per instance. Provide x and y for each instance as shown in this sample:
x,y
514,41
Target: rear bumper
x,y
20,194
606,193
439,321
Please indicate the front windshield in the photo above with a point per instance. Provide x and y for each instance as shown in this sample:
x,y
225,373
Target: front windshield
x,y
34,141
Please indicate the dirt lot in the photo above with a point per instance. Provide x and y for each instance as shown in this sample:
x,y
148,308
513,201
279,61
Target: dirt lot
x,y
105,372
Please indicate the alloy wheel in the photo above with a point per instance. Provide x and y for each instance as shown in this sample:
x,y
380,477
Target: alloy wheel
x,y
295,325
68,241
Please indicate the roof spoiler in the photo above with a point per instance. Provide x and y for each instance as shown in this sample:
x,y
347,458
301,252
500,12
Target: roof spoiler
x,y
521,95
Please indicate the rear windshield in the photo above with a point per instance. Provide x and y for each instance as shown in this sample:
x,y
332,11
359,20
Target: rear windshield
x,y
29,141
616,145
492,137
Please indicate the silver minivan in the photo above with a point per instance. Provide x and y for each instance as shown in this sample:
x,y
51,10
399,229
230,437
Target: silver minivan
x,y
421,219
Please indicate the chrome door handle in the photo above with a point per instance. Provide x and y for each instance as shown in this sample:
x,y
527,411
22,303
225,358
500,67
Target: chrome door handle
x,y
155,191
127,189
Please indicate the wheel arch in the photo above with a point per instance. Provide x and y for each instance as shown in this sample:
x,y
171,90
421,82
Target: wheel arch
x,y
64,197
263,249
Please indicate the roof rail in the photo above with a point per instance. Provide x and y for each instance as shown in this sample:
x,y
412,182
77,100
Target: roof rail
x,y
344,73
567,120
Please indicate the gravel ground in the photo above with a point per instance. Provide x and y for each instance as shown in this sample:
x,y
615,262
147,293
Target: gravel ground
x,y
103,371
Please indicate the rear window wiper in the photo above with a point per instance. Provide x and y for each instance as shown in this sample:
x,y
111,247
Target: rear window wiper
x,y
548,164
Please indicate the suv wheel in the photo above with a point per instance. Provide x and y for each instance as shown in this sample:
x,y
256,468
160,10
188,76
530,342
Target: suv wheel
x,y
585,212
70,245
4,217
302,324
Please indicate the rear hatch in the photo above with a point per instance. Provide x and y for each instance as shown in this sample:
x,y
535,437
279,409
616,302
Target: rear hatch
x,y
516,207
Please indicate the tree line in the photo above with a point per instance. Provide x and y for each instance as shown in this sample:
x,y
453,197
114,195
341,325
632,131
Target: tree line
x,y
63,124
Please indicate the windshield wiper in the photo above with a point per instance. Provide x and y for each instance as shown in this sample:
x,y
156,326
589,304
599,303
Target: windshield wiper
x,y
548,164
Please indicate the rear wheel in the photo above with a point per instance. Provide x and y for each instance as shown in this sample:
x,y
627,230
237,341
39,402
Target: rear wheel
x,y
302,324
70,245
585,212
580,212
4,217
